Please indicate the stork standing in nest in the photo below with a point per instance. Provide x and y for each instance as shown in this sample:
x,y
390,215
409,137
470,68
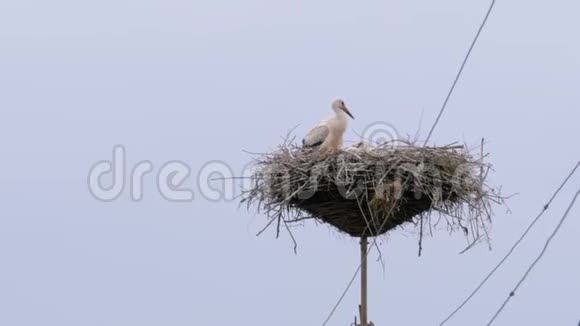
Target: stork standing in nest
x,y
329,133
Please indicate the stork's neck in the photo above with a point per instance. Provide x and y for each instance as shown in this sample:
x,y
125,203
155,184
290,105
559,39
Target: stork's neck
x,y
341,116
339,123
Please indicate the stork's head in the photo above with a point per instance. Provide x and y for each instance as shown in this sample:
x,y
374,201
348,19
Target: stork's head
x,y
339,107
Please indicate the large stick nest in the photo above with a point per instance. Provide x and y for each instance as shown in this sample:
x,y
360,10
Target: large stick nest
x,y
370,191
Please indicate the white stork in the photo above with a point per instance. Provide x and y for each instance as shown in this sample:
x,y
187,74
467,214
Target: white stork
x,y
328,134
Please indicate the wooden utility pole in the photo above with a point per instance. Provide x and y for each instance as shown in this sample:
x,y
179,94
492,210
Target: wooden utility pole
x,y
363,286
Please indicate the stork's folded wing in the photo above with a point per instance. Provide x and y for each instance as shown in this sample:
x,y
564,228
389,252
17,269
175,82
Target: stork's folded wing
x,y
316,136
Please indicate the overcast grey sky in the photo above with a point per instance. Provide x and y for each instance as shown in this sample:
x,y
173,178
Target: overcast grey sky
x,y
200,81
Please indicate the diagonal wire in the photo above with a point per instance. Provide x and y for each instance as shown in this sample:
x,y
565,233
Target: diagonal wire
x,y
540,256
460,72
513,248
343,296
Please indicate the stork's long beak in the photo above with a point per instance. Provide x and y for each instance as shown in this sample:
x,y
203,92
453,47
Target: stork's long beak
x,y
345,109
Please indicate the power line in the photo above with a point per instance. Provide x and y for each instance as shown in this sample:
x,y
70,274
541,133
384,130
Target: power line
x,y
428,137
513,248
460,72
540,256
343,296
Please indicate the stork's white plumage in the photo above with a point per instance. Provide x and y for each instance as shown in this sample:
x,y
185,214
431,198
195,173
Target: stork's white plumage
x,y
329,133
